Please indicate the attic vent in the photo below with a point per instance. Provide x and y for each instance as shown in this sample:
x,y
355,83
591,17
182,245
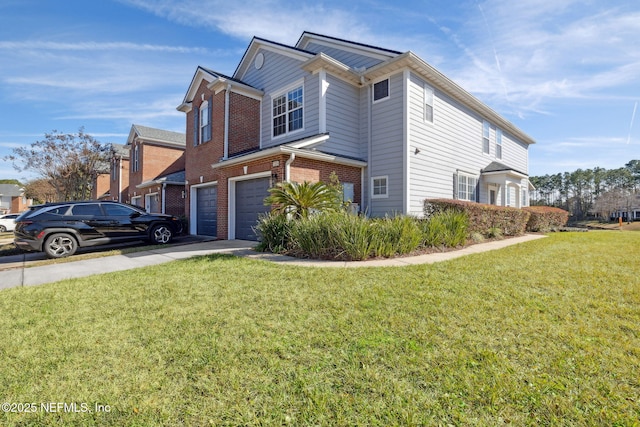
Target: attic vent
x,y
259,61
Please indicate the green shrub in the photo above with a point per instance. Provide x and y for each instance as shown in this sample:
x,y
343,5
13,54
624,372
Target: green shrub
x,y
495,233
273,232
483,217
448,228
546,218
298,200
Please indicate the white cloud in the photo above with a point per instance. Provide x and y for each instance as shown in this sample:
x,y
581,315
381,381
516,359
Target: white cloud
x,y
271,19
152,111
95,46
548,50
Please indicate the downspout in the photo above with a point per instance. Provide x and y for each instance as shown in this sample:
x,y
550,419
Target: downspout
x,y
120,179
369,149
164,193
226,121
287,167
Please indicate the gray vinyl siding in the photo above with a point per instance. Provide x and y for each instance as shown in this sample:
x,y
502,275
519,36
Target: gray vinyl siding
x,y
280,72
515,153
343,119
452,143
351,59
387,148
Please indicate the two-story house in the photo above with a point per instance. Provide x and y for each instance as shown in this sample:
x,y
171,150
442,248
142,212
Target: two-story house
x,y
394,129
156,170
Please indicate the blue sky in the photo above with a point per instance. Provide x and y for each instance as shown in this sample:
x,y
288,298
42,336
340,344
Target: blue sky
x,y
566,72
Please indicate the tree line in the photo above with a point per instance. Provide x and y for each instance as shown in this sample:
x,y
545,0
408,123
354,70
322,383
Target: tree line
x,y
596,192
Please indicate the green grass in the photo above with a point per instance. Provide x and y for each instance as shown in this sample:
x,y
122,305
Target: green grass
x,y
542,333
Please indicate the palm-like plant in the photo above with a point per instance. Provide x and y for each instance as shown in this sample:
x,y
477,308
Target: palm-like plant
x,y
299,199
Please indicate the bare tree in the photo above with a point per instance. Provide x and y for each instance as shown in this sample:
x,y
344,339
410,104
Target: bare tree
x,y
68,162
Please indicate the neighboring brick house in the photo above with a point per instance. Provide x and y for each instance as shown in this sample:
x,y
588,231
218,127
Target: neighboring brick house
x,y
13,199
101,186
393,129
119,173
156,161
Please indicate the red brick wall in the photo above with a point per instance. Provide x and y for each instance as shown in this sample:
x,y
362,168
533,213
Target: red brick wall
x,y
154,161
101,185
199,158
19,204
174,203
301,169
244,124
123,164
313,171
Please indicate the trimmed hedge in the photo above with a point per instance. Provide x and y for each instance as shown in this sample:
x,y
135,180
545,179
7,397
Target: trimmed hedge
x,y
488,220
546,218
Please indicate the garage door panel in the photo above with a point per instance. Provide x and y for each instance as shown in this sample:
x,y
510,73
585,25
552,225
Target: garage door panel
x,y
250,195
207,211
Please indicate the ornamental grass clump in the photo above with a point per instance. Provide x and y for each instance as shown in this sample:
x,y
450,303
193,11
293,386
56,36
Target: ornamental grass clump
x,y
448,228
398,235
273,231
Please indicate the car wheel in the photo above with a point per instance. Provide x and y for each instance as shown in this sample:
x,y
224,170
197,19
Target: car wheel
x,y
60,245
3,228
161,234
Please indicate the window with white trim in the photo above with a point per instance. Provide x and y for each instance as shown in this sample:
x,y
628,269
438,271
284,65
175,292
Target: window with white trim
x,y
485,136
428,104
205,122
467,187
288,111
381,90
379,187
498,143
525,198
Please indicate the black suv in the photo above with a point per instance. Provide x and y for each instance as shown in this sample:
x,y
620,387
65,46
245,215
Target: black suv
x,y
58,229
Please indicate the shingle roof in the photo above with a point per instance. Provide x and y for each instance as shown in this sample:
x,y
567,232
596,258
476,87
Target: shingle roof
x,y
12,190
120,150
160,135
499,167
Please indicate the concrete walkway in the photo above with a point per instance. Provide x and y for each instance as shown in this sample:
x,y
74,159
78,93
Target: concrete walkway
x,y
72,269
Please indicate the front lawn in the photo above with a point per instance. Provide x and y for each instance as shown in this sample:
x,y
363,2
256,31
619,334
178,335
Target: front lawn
x,y
542,333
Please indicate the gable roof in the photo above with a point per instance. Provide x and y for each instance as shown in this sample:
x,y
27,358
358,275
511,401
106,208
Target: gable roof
x,y
216,82
119,150
159,136
260,43
11,190
391,62
380,53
